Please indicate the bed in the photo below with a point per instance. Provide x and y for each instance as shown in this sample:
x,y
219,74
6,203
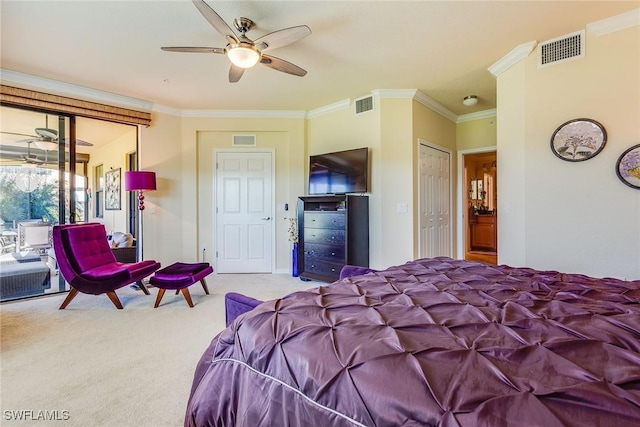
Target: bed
x,y
432,342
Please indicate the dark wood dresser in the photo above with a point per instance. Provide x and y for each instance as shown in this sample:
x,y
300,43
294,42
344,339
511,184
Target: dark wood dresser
x,y
332,231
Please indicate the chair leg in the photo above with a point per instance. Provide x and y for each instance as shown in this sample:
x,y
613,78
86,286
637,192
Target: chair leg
x,y
204,286
143,287
159,297
187,296
114,299
72,294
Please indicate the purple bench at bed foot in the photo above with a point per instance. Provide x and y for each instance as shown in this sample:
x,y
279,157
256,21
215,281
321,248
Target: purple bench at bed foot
x,y
354,270
236,304
180,276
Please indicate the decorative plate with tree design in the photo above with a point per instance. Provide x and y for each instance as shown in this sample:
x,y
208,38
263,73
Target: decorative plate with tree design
x,y
628,167
578,140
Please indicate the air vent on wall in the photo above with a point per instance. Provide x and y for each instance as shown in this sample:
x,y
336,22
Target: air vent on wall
x,y
561,49
244,140
364,104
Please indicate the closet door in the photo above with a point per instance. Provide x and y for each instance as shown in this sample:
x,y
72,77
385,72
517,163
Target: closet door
x,y
435,202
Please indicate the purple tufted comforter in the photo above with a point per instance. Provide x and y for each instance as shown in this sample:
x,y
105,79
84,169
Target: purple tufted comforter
x,y
433,342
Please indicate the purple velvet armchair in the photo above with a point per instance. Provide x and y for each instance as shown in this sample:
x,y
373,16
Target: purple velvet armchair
x,y
88,265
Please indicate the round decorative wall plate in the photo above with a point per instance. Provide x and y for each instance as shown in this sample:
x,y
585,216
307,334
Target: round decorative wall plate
x,y
578,140
628,167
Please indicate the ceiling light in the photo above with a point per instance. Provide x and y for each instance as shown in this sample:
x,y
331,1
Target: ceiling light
x,y
243,56
470,100
47,145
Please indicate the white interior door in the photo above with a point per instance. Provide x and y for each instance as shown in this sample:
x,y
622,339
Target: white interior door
x,y
435,202
244,212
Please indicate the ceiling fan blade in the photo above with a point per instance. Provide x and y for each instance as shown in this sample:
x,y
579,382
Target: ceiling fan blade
x,y
235,73
215,20
18,134
282,37
193,49
66,141
28,140
282,65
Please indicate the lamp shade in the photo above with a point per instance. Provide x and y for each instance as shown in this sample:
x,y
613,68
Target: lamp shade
x,y
139,181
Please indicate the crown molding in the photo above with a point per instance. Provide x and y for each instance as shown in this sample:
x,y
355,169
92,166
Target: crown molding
x,y
615,23
328,109
516,55
478,115
249,114
81,92
418,96
395,93
429,102
157,108
55,87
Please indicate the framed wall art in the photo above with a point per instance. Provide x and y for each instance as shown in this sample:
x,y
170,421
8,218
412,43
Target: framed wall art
x,y
112,190
578,140
628,167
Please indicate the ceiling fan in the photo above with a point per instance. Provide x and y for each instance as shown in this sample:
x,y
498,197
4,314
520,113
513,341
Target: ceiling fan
x,y
32,159
242,51
46,138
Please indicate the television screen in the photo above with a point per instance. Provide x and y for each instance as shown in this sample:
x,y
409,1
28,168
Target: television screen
x,y
339,172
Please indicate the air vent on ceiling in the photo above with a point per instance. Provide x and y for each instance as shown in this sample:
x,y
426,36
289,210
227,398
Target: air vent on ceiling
x,y
364,104
244,140
561,49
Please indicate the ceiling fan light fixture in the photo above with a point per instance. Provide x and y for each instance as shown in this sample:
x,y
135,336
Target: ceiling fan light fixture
x,y
470,100
47,145
243,56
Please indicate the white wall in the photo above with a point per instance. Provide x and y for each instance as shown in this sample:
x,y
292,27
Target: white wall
x,y
112,156
559,215
391,131
180,151
343,130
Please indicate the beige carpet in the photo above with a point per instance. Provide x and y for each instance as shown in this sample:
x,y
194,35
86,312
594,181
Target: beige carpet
x,y
93,365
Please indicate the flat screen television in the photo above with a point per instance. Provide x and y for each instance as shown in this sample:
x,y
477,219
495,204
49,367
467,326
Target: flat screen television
x,y
339,172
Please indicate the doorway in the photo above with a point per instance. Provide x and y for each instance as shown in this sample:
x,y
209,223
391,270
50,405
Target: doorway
x,y
480,207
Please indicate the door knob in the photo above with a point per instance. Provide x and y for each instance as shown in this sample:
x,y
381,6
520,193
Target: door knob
x,y
266,219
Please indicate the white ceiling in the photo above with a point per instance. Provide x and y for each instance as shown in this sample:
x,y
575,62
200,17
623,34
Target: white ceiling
x,y
442,48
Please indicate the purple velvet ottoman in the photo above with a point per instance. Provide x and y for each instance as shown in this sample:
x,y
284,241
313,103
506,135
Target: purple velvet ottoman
x,y
180,276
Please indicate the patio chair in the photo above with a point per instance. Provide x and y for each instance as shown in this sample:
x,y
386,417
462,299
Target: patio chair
x,y
86,262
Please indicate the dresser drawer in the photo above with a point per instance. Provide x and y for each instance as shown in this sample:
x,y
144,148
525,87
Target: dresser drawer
x,y
326,236
334,253
333,220
331,270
